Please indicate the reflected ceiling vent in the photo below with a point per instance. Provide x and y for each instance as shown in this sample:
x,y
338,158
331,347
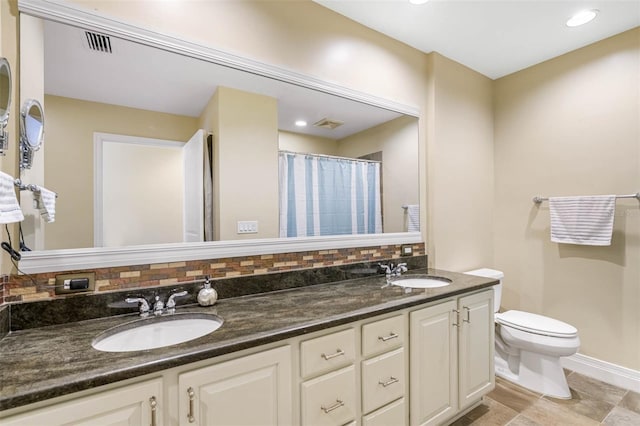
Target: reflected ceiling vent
x,y
98,42
327,123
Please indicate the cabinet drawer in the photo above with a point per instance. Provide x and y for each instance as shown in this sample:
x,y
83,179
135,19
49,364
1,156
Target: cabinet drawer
x,y
392,414
383,335
383,379
329,399
327,353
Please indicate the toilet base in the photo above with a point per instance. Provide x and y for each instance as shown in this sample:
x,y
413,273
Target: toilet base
x,y
536,372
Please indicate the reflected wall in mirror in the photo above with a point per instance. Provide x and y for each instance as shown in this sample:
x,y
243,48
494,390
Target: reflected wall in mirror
x,y
138,91
5,102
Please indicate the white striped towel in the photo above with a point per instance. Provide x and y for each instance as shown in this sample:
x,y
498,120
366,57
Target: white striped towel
x,y
47,203
10,210
586,220
413,218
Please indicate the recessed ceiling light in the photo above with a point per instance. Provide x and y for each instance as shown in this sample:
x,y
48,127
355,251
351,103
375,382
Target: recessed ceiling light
x,y
418,1
582,17
301,123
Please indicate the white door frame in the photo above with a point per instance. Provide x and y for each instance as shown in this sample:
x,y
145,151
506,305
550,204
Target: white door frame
x,y
99,140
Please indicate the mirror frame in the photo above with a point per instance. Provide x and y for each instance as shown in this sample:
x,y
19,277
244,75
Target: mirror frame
x,y
4,118
89,258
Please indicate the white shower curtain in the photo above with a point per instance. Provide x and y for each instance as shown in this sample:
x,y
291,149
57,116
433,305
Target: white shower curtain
x,y
321,195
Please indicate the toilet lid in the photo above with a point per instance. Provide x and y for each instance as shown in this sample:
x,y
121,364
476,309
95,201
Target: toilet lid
x,y
537,324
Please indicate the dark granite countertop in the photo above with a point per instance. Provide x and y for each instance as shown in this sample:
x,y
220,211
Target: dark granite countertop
x,y
42,363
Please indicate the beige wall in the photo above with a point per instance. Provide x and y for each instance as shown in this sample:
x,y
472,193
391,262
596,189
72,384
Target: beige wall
x,y
570,126
460,168
32,87
397,141
246,158
70,125
297,142
9,162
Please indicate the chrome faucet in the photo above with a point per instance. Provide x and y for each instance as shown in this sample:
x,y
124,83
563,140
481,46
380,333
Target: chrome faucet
x,y
392,270
144,305
171,303
159,307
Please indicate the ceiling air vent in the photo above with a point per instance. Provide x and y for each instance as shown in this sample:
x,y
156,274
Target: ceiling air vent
x,y
327,123
98,42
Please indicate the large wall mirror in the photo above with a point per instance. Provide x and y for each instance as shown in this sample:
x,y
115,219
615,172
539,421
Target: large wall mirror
x,y
147,147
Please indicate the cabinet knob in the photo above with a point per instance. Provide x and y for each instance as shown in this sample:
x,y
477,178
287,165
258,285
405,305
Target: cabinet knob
x,y
389,382
389,337
154,405
468,311
339,352
192,397
335,406
456,313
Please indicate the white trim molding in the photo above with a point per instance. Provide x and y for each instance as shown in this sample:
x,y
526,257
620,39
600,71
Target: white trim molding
x,y
105,257
604,371
71,14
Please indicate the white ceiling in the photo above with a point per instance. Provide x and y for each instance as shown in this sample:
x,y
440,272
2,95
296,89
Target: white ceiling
x,y
495,38
143,77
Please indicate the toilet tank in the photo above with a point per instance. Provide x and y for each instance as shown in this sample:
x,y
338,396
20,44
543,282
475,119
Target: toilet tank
x,y
497,289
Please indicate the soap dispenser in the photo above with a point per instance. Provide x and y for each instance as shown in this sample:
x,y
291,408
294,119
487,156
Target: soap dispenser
x,y
207,295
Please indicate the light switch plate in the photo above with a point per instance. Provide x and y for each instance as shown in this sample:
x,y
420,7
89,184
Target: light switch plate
x,y
247,227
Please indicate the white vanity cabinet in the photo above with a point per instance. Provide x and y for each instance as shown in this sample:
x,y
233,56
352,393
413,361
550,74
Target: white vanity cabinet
x,y
138,404
252,390
384,383
417,366
451,360
328,394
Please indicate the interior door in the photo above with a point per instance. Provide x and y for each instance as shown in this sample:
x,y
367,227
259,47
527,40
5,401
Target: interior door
x,y
193,158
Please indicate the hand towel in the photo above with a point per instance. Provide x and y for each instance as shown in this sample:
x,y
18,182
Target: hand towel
x,y
586,220
413,218
10,210
47,202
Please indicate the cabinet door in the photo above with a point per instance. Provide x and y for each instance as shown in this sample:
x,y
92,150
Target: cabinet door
x,y
132,405
252,390
433,364
475,347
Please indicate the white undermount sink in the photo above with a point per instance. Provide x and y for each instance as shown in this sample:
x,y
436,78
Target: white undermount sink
x,y
156,332
420,281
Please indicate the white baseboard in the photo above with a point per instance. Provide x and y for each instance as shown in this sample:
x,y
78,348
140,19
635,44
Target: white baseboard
x,y
604,371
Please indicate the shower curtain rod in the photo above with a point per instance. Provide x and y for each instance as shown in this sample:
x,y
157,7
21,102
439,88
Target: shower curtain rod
x,y
330,156
538,200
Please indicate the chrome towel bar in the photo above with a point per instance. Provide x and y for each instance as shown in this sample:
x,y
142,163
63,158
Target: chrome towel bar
x,y
538,200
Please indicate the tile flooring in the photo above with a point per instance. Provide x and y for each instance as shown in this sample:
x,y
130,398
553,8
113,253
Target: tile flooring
x,y
593,403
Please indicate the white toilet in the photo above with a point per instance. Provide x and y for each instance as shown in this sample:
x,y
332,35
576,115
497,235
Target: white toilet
x,y
529,346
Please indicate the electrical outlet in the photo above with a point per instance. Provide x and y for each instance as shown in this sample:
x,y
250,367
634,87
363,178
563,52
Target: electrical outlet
x,y
406,250
247,227
75,283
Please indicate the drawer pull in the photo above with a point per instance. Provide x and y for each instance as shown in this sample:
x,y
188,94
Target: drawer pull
x,y
389,337
389,382
335,406
339,352
468,314
154,404
192,397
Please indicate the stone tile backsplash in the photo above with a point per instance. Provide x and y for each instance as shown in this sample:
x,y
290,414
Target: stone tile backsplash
x,y
38,287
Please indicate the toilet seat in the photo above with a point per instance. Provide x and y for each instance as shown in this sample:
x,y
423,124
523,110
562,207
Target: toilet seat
x,y
536,324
